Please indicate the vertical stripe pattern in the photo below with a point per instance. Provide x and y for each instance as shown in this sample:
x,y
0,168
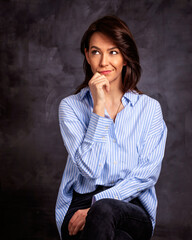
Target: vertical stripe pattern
x,y
125,155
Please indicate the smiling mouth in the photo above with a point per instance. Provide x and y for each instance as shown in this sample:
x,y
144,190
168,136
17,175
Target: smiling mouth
x,y
105,72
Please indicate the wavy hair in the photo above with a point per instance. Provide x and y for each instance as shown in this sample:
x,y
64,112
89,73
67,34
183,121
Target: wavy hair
x,y
118,31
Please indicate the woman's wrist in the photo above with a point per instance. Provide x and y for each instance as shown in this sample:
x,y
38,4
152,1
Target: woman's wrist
x,y
99,110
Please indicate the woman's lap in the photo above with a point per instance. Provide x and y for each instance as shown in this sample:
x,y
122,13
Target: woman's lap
x,y
110,219
107,216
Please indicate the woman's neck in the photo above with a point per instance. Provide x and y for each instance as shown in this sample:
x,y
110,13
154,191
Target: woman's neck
x,y
115,94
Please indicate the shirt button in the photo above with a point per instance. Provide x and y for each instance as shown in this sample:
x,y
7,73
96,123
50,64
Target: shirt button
x,y
100,164
106,127
115,162
114,140
103,138
116,197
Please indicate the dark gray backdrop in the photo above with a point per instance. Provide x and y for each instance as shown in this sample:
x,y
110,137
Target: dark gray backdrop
x,y
40,63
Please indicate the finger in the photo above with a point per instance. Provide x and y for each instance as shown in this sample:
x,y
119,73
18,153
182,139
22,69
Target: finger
x,y
99,85
79,225
72,222
103,83
77,221
100,79
96,75
107,86
81,229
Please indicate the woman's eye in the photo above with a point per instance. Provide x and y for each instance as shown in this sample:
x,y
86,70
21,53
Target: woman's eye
x,y
95,52
114,52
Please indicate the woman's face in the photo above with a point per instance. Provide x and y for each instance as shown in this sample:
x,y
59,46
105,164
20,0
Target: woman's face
x,y
105,58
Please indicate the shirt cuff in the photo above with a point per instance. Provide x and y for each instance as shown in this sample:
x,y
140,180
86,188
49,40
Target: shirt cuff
x,y
98,128
109,193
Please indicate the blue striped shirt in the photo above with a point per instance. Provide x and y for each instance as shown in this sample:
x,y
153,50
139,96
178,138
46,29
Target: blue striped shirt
x,y
125,154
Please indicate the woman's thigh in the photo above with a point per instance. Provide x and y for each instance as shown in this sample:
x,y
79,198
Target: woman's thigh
x,y
110,219
106,216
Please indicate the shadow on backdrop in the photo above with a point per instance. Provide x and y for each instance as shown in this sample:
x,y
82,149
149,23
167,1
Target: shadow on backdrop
x,y
40,63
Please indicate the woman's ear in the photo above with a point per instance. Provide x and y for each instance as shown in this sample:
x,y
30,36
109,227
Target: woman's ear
x,y
87,55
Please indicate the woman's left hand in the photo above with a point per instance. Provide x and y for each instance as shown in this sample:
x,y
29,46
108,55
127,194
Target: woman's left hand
x,y
77,222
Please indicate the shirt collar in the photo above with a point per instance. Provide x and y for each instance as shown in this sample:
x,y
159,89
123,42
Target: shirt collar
x,y
84,92
131,96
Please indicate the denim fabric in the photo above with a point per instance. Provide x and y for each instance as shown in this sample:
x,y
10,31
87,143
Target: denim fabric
x,y
109,219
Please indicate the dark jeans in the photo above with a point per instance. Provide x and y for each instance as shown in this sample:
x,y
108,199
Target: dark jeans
x,y
109,219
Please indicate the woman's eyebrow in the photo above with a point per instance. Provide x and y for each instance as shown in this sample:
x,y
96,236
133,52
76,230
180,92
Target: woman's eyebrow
x,y
95,47
107,49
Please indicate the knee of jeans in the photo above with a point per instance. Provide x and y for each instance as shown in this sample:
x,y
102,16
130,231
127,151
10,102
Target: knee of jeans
x,y
101,208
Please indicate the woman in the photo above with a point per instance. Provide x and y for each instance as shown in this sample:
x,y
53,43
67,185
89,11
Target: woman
x,y
115,137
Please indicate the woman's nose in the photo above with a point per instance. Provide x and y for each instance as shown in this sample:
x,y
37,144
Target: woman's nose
x,y
104,60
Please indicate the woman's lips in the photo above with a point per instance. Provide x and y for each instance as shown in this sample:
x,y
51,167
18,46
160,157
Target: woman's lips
x,y
105,72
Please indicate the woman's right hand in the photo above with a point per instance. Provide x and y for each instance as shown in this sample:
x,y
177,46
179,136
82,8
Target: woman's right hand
x,y
99,86
77,222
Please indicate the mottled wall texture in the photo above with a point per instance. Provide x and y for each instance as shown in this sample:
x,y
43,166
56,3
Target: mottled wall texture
x,y
40,63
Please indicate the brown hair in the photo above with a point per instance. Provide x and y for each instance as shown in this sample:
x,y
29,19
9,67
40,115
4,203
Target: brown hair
x,y
118,31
